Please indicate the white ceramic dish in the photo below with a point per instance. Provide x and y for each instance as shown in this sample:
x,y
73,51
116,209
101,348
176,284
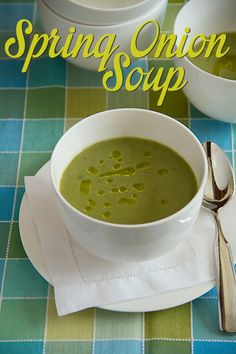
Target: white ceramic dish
x,y
162,301
213,95
103,12
121,242
124,31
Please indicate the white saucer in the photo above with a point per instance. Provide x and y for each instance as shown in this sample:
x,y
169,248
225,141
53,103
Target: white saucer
x,y
165,300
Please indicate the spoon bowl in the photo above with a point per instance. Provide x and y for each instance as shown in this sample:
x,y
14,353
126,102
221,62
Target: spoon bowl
x,y
218,191
220,183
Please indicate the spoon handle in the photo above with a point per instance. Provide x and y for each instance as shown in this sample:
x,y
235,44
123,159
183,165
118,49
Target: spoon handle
x,y
227,282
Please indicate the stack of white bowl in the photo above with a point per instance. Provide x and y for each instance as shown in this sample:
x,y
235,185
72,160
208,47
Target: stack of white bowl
x,y
99,17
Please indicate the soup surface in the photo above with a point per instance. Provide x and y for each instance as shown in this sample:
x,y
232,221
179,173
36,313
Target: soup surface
x,y
128,181
224,67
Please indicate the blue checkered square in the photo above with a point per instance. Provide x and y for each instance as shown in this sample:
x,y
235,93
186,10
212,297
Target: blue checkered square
x,y
216,131
10,14
23,280
46,71
206,322
6,203
118,347
11,75
10,132
21,347
214,347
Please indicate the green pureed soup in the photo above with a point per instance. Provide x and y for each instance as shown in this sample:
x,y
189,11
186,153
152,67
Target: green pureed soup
x,y
128,181
224,67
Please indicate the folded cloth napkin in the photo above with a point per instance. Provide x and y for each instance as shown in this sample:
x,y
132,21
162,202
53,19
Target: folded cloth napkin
x,y
82,280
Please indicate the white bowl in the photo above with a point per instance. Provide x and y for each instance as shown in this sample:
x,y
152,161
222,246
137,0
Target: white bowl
x,y
129,243
103,12
124,31
213,95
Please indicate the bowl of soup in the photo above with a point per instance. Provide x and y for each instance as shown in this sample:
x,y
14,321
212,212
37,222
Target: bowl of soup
x,y
129,183
211,83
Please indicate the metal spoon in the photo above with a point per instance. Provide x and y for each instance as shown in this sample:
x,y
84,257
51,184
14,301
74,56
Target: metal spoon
x,y
219,190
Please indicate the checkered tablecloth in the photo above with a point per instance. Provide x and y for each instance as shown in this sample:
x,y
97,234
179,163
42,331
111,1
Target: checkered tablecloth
x,y
35,109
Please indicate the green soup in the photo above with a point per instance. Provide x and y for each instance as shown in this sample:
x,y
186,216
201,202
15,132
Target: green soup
x,y
128,181
224,67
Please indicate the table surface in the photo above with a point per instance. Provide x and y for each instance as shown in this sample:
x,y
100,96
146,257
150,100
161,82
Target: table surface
x,y
35,109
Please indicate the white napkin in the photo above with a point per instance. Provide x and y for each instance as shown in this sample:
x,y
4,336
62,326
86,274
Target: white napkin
x,y
82,280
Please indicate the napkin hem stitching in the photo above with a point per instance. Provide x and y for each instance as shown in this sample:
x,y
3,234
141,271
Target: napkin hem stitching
x,y
136,275
176,266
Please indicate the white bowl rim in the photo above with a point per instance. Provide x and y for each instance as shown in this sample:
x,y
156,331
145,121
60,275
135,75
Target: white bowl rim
x,y
105,10
106,27
143,225
189,61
